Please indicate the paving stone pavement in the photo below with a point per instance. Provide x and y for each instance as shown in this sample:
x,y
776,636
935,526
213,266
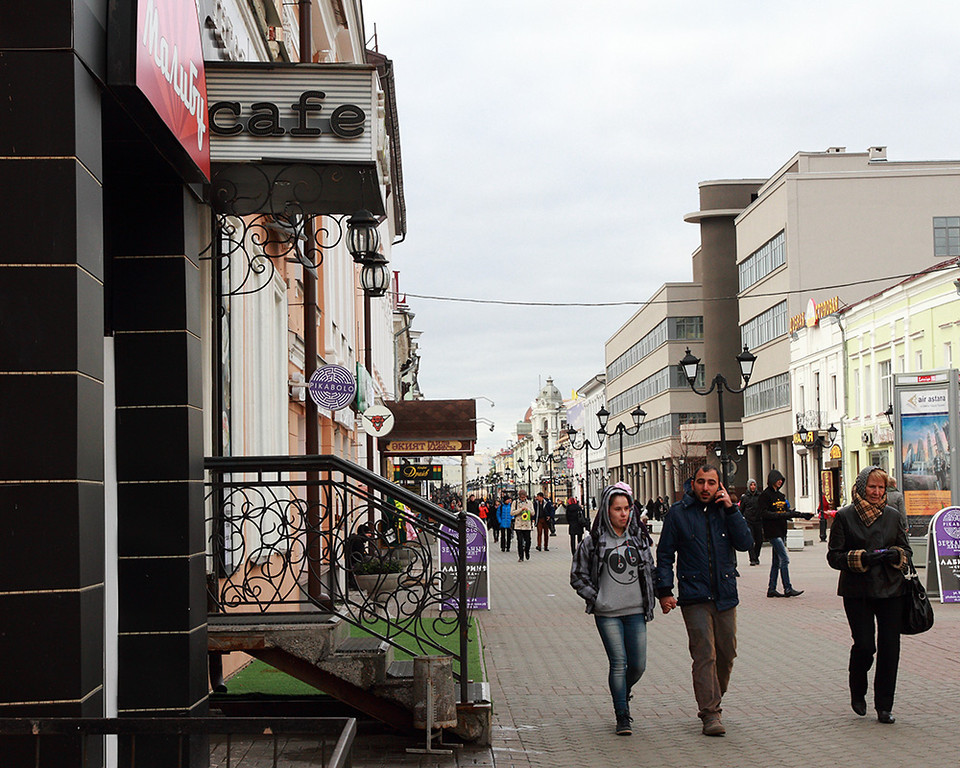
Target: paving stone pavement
x,y
787,704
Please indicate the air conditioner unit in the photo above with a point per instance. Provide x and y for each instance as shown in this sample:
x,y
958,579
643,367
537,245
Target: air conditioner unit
x,y
867,438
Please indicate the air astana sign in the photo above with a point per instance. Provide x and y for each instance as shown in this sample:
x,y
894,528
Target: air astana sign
x,y
156,67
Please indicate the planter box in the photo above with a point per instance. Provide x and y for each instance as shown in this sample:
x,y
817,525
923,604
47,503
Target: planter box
x,y
794,540
378,585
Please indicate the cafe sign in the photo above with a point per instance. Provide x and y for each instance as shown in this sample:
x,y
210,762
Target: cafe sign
x,y
814,313
429,447
292,112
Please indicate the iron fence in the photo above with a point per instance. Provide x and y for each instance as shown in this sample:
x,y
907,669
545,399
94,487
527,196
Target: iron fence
x,y
296,533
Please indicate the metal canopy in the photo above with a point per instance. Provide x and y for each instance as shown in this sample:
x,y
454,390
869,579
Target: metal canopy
x,y
301,188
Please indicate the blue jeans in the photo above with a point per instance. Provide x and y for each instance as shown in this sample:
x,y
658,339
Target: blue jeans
x,y
625,641
781,563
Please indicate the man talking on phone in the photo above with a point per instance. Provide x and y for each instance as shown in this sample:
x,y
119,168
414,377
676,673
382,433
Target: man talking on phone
x,y
701,534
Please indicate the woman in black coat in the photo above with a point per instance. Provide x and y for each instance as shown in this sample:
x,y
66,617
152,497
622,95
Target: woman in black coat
x,y
868,545
577,522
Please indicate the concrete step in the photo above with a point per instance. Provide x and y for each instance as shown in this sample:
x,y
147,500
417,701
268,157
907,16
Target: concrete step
x,y
361,661
312,637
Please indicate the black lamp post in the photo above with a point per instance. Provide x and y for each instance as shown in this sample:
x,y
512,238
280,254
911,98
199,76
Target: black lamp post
x,y
528,468
638,415
690,364
586,445
821,441
548,460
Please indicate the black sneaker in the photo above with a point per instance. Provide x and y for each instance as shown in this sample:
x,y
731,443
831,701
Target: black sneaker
x,y
623,725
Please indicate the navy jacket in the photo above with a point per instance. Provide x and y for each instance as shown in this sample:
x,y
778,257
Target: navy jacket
x,y
702,539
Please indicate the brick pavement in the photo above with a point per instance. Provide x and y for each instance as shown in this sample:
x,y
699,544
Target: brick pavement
x,y
787,704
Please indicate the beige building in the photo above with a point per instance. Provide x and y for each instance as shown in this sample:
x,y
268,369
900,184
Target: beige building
x,y
828,224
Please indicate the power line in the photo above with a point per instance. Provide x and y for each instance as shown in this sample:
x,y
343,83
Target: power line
x,y
832,286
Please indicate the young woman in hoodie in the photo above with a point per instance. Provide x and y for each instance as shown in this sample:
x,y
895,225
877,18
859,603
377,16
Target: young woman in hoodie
x,y
612,571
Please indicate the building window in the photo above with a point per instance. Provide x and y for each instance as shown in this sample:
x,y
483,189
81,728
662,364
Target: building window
x,y
919,359
885,372
670,377
668,329
867,392
765,327
947,355
767,395
946,236
833,391
902,364
763,261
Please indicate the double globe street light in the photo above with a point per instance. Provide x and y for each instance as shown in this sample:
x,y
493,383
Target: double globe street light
x,y
603,416
690,364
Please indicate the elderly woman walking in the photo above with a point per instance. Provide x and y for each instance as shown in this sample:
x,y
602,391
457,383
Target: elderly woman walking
x,y
868,545
613,572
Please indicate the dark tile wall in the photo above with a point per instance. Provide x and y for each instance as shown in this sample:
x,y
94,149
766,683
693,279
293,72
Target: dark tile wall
x,y
51,337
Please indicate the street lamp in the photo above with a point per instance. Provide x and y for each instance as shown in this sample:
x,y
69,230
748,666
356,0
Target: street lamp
x,y
528,468
638,415
549,462
888,413
822,441
690,364
587,445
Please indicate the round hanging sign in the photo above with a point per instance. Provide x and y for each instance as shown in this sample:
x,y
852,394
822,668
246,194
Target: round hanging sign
x,y
377,421
333,387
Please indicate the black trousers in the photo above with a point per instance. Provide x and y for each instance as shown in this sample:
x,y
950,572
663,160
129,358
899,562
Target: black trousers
x,y
575,539
757,530
523,544
875,626
506,536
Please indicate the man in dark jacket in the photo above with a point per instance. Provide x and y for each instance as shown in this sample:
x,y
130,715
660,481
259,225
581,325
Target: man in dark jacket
x,y
543,519
775,512
702,533
750,508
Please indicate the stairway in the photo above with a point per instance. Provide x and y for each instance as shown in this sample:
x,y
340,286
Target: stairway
x,y
359,671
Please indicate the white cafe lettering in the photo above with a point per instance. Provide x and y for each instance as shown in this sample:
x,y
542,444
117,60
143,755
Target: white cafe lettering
x,y
169,65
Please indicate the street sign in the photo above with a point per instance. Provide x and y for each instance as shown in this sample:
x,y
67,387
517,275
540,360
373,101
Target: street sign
x,y
377,420
332,387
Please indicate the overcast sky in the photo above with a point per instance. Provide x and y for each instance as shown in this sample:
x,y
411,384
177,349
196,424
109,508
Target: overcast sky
x,y
551,149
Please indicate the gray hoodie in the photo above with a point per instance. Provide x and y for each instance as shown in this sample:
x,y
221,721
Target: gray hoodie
x,y
614,574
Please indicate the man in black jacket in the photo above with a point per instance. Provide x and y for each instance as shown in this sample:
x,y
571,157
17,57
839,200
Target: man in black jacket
x,y
750,507
775,511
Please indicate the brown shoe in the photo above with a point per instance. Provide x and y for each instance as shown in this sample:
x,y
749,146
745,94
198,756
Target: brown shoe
x,y
713,727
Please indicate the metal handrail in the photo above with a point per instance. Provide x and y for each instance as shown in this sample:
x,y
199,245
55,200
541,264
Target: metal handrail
x,y
277,520
345,728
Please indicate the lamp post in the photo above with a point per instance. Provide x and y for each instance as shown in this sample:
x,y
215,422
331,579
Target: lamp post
x,y
586,445
638,415
823,439
528,468
690,364
549,462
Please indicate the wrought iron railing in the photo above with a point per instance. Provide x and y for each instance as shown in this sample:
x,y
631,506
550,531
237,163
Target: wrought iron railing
x,y
298,533
79,741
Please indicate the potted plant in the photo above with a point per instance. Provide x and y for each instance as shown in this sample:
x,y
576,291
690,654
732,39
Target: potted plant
x,y
378,577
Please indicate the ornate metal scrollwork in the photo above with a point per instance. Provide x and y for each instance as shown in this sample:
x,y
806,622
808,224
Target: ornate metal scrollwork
x,y
275,550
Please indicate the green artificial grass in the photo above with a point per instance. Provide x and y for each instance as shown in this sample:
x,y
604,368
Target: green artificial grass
x,y
260,677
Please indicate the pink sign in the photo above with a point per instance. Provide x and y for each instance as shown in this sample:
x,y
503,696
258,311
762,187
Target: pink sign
x,y
169,62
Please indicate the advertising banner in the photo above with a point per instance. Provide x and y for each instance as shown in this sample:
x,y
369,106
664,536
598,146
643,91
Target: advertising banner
x,y
924,454
478,573
945,531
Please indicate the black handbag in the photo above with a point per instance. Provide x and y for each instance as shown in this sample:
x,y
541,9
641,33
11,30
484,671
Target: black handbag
x,y
917,611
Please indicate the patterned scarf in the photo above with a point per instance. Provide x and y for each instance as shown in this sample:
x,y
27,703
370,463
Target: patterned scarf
x,y
868,512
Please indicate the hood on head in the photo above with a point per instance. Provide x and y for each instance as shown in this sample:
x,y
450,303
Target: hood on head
x,y
774,477
860,484
620,489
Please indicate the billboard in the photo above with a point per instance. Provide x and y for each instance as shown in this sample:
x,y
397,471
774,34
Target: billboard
x,y
925,413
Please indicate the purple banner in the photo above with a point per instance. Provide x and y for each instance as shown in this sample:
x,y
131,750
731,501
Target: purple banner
x,y
946,542
478,574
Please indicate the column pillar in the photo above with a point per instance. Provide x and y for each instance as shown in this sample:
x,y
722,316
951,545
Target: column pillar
x,y
52,383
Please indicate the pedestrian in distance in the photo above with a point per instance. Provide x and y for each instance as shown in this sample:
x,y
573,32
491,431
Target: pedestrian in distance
x,y
522,514
775,512
505,520
612,571
543,516
895,499
577,523
493,518
825,511
750,509
868,545
701,535
651,507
